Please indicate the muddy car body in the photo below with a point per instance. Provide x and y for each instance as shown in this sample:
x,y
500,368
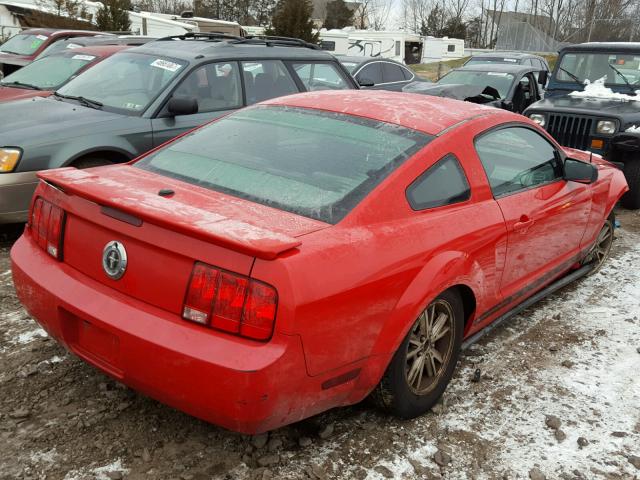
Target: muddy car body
x,y
282,260
25,47
607,121
145,97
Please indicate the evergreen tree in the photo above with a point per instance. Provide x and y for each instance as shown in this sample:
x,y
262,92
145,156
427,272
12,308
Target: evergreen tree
x,y
114,16
454,28
292,18
338,15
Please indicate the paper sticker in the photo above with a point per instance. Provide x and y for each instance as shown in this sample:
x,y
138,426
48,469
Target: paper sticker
x,y
132,106
497,74
86,58
512,60
166,65
73,46
41,37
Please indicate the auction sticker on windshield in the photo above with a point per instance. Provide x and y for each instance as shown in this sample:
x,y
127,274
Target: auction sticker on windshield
x,y
86,58
166,65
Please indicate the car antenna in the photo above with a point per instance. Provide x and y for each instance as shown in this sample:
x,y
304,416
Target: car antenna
x,y
590,157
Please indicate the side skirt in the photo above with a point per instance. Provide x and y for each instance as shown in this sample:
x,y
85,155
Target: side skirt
x,y
552,288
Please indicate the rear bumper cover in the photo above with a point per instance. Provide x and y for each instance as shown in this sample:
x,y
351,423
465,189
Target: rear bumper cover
x,y
232,382
16,190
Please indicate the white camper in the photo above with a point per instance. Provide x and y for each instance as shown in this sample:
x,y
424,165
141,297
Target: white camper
x,y
335,41
398,45
155,25
438,49
206,25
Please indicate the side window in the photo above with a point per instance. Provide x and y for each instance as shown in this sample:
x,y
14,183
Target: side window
x,y
266,79
451,48
408,75
392,73
320,76
398,48
216,86
442,184
372,72
517,158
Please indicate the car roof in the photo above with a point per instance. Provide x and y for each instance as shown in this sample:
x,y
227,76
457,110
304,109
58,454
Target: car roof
x,y
98,50
362,60
203,50
498,68
518,55
57,31
604,47
425,113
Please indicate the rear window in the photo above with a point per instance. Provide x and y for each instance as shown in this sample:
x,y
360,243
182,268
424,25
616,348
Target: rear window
x,y
313,163
23,44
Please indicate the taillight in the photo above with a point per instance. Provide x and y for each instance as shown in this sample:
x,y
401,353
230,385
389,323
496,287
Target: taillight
x,y
230,302
46,223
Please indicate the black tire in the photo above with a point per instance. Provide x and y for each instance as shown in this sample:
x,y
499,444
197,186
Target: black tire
x,y
601,248
89,162
404,398
631,199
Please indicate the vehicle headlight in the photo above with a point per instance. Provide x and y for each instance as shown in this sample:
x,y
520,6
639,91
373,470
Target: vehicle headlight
x,y
9,159
606,127
538,118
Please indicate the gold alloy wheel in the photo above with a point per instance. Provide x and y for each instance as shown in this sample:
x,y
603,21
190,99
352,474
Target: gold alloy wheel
x,y
600,250
430,347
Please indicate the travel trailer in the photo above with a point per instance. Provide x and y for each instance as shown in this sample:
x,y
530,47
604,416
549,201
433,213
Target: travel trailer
x,y
438,49
206,25
398,45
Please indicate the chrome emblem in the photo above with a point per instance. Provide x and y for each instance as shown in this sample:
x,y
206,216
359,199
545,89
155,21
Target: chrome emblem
x,y
114,260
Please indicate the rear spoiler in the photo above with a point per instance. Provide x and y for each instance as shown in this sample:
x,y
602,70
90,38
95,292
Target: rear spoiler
x,y
164,212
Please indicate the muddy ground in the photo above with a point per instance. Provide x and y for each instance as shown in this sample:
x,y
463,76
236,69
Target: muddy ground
x,y
558,397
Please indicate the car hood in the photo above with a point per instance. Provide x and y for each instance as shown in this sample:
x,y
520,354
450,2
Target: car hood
x,y
10,94
457,92
589,105
34,119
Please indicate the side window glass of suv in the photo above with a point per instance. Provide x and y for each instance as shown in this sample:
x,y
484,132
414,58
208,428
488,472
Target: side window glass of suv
x,y
442,184
216,86
264,79
517,158
320,76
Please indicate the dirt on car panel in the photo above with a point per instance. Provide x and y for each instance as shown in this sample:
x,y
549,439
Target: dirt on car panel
x,y
62,418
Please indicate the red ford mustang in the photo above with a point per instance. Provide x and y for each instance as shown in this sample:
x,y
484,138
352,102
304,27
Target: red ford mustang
x,y
303,253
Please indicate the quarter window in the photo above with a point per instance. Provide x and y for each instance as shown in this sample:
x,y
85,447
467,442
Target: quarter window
x,y
216,86
442,184
266,79
392,73
517,158
320,76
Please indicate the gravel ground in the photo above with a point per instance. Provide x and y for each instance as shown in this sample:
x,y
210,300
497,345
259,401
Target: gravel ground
x,y
552,394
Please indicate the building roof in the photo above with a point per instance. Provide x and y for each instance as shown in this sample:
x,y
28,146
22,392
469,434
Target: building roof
x,y
424,113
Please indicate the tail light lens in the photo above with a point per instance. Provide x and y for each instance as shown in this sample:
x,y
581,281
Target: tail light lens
x,y
47,223
230,302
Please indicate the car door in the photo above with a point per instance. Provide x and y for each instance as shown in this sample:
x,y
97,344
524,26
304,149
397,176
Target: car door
x,y
217,89
545,215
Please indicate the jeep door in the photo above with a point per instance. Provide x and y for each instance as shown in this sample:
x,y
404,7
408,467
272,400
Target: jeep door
x,y
545,215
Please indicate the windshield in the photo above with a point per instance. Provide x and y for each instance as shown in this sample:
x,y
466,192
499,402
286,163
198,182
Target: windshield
x,y
49,73
310,162
594,66
484,60
23,44
499,80
125,82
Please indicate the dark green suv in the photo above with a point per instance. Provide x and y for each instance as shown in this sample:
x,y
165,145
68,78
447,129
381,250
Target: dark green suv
x,y
140,98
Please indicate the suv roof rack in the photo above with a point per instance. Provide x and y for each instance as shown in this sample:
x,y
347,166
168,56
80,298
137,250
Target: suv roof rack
x,y
271,41
208,36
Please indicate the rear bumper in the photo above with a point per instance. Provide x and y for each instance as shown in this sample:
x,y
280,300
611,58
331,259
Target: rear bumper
x,y
16,190
232,382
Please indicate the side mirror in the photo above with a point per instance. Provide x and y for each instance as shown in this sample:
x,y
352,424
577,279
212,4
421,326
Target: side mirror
x,y
182,106
581,172
364,81
507,105
543,76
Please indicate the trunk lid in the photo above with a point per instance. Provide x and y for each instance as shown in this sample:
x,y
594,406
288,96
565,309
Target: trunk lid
x,y
163,236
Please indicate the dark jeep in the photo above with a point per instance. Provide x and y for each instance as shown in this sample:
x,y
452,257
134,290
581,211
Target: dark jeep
x,y
602,117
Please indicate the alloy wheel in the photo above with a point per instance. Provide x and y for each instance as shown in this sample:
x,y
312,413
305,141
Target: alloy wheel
x,y
600,250
430,347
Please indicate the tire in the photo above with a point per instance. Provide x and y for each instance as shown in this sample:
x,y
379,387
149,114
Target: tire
x,y
400,392
89,162
601,249
631,199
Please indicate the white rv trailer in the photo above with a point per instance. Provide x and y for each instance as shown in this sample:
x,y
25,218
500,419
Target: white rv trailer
x,y
335,41
156,25
398,45
205,25
438,49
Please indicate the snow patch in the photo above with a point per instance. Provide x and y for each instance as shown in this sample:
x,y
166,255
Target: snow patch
x,y
633,129
28,337
597,89
100,473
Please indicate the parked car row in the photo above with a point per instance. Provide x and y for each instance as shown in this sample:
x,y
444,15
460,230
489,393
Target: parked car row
x,y
248,238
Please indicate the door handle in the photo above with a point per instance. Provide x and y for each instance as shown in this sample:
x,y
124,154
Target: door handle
x,y
524,223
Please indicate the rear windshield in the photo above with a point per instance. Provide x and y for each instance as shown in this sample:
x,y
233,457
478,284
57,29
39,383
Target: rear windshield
x,y
309,162
23,44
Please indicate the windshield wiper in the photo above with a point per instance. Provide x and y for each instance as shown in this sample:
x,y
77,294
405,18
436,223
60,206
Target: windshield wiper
x,y
626,80
573,76
20,84
87,102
